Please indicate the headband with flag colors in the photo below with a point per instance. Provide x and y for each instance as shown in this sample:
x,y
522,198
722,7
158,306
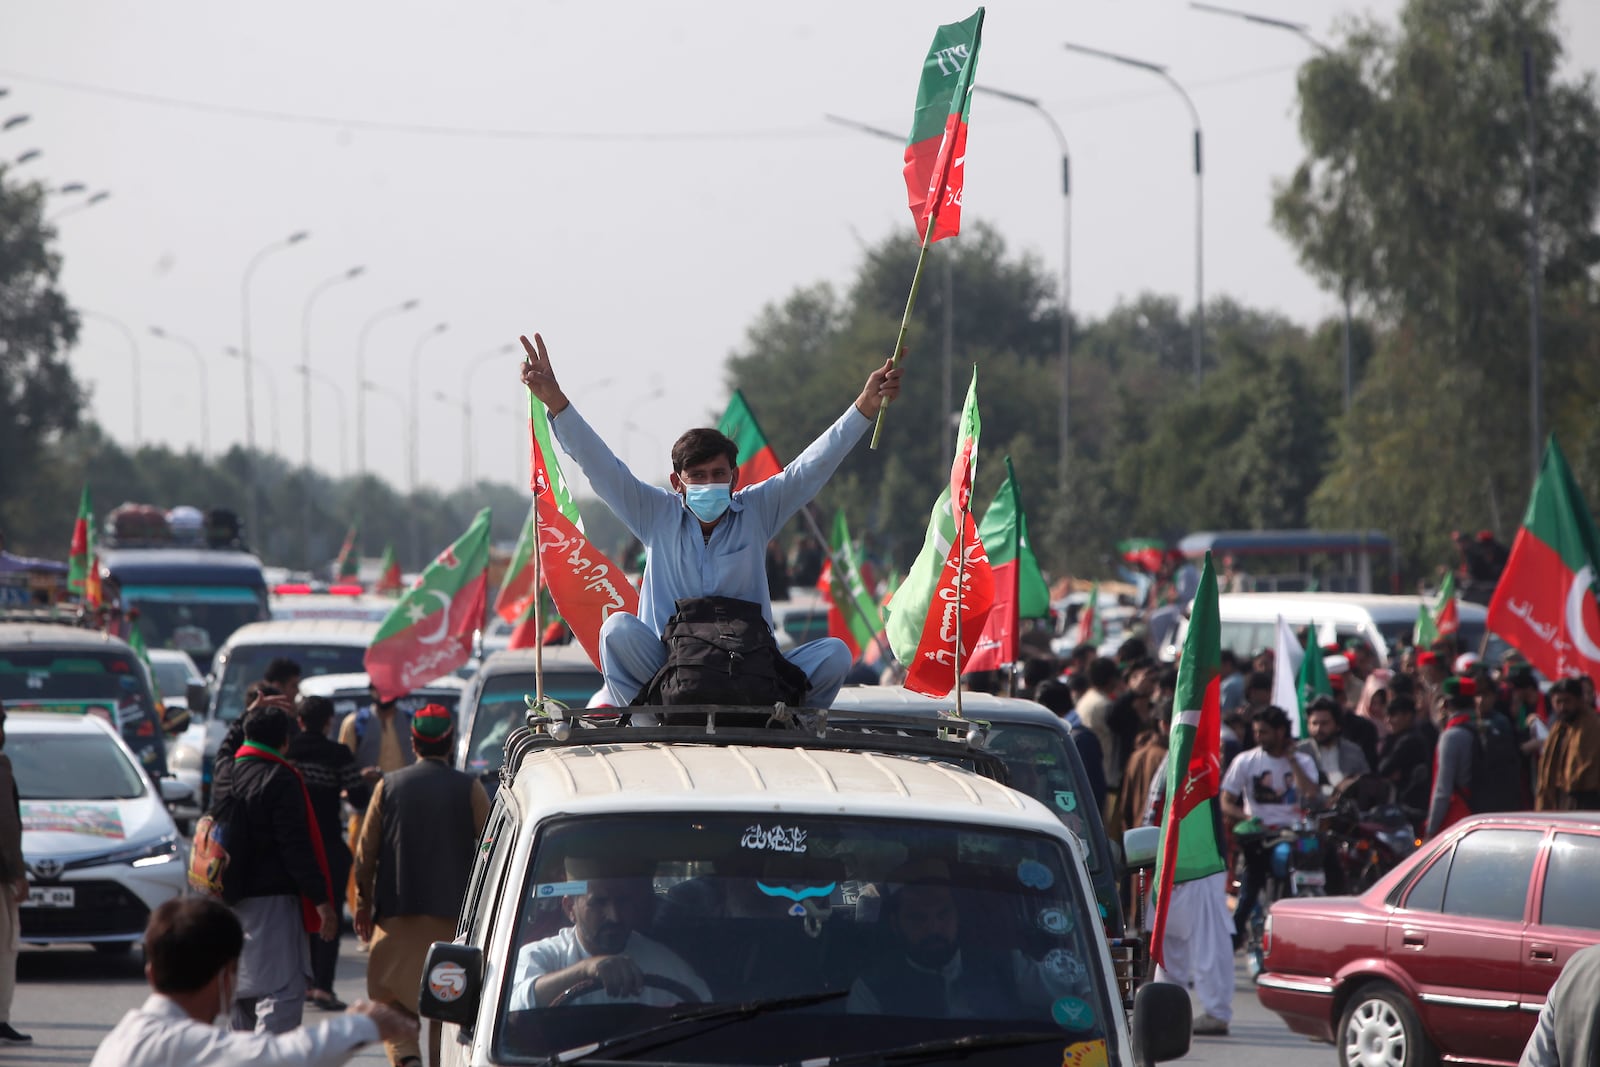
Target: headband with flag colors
x,y
1020,591
949,579
429,632
936,151
1189,846
757,460
1545,604
82,540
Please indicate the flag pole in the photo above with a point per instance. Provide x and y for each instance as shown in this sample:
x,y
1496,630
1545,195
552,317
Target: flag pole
x,y
1016,574
905,319
879,638
961,589
538,613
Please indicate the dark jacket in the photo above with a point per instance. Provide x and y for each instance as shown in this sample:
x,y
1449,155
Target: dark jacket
x,y
1093,756
1399,758
429,821
1364,733
270,848
328,769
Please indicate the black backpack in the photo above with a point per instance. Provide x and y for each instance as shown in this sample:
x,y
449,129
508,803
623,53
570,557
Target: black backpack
x,y
721,651
1496,766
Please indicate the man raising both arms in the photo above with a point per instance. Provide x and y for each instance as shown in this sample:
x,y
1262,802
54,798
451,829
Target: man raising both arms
x,y
703,538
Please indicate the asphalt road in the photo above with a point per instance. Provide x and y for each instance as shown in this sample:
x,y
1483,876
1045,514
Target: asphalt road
x,y
68,998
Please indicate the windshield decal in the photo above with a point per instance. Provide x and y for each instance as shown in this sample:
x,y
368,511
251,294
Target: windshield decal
x,y
1066,800
1066,968
95,820
1035,875
774,839
1084,1054
1055,921
1073,1013
562,889
797,895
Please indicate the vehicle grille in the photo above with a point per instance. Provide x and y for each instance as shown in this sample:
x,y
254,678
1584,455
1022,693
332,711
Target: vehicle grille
x,y
101,909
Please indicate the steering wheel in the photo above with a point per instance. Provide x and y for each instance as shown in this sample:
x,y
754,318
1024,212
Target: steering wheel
x,y
586,986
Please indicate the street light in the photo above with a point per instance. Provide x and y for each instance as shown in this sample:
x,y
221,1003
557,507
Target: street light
x,y
947,389
400,406
82,205
361,377
339,400
29,156
248,361
1302,31
416,388
519,453
70,187
138,369
465,407
1064,371
305,399
13,122
466,398
205,388
1159,71
271,379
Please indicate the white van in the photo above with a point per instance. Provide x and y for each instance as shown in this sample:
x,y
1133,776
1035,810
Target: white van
x,y
1249,620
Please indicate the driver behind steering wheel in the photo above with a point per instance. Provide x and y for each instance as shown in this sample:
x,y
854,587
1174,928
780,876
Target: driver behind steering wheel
x,y
602,956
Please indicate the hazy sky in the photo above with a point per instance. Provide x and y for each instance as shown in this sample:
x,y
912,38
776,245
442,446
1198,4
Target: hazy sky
x,y
636,180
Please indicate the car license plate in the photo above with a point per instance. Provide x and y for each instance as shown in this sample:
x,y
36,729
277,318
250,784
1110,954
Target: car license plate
x,y
1310,879
51,896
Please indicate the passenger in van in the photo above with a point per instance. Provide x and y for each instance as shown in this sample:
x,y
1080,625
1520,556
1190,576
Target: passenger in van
x,y
701,538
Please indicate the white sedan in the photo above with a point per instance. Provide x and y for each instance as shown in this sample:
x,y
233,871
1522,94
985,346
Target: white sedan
x,y
101,848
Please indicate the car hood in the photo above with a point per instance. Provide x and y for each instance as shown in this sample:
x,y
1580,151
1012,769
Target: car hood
x,y
73,829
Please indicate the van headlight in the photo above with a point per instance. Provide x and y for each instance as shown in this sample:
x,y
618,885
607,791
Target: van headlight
x,y
185,758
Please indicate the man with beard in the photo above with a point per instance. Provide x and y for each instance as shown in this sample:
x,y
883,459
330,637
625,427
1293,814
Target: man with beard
x,y
602,945
1569,767
934,973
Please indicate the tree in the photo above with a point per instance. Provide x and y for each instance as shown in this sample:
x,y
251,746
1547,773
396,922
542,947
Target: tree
x,y
39,399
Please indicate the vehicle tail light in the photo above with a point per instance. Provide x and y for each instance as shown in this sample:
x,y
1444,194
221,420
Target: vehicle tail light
x,y
1266,936
346,589
291,589
145,729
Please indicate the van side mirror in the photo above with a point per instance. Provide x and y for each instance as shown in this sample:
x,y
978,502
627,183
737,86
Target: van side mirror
x,y
452,984
174,720
1140,846
198,696
1162,1020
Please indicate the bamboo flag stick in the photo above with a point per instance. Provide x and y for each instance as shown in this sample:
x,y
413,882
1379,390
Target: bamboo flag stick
x,y
961,589
905,319
538,612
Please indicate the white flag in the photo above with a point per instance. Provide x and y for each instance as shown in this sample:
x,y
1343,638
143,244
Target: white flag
x,y
1286,675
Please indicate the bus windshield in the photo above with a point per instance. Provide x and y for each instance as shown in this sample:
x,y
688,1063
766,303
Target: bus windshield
x,y
193,619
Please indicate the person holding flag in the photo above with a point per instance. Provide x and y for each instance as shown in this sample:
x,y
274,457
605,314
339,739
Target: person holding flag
x,y
705,537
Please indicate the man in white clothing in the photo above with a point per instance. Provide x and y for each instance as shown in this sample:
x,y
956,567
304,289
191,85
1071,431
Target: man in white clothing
x,y
191,951
603,946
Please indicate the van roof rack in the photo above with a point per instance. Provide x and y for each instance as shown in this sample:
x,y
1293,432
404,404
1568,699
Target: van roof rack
x,y
960,741
55,614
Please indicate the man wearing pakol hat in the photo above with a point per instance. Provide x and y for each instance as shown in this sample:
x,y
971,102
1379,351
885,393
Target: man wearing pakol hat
x,y
413,859
1452,759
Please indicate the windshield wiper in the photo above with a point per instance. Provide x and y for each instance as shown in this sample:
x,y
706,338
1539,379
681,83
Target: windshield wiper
x,y
717,1014
930,1050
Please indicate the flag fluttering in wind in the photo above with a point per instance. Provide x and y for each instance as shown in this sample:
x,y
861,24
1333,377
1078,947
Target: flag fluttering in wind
x,y
82,545
1020,591
1313,681
936,152
389,579
757,460
429,632
136,643
949,588
853,615
1545,603
1446,614
1286,659
1148,554
1189,846
348,566
584,584
1091,623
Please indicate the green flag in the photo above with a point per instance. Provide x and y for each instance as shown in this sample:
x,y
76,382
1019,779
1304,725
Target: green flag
x,y
1313,680
82,545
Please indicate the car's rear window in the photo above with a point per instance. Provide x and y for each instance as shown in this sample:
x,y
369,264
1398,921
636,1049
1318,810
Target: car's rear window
x,y
502,707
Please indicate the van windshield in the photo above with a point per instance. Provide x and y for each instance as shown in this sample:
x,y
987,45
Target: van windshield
x,y
245,664
922,931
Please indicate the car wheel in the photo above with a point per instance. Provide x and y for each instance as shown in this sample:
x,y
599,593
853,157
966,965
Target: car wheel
x,y
1379,1028
113,948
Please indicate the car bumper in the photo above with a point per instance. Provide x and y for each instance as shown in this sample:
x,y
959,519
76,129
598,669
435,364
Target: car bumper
x,y
111,902
1305,1003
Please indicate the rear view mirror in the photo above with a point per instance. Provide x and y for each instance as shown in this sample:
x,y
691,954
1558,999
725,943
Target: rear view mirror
x,y
452,983
1140,845
198,697
175,792
1162,1020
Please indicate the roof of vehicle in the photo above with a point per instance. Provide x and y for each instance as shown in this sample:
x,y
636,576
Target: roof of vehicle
x,y
58,635
180,564
324,685
901,701
329,606
1282,542
1332,606
44,722
521,660
304,631
652,776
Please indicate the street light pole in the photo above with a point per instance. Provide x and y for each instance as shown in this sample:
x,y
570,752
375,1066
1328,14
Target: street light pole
x,y
361,377
247,359
305,404
270,378
205,386
465,407
1064,367
1199,342
138,370
339,400
466,400
1535,270
416,391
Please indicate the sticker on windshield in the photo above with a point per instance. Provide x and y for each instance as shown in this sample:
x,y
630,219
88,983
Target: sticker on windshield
x,y
95,820
798,910
1084,1054
1035,875
1055,921
562,889
1073,1013
797,895
774,838
1065,967
1066,800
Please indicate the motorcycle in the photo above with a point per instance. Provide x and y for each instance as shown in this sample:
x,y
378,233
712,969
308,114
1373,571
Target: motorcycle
x,y
1294,860
1369,833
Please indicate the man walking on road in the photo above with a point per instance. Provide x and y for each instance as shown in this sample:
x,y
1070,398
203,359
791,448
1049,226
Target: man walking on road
x,y
13,890
412,863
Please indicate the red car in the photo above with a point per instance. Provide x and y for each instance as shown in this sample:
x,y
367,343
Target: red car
x,y
1449,955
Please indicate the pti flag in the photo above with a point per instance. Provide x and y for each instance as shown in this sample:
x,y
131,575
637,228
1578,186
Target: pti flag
x,y
429,632
1446,616
936,152
1091,624
349,562
1189,846
389,580
757,460
1545,603
853,615
1312,683
949,589
82,541
1020,591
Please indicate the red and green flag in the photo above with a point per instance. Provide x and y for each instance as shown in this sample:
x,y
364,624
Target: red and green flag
x,y
757,460
1446,615
1189,846
1545,604
936,152
1020,591
348,566
389,579
1091,623
940,609
1145,553
429,632
853,615
82,545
